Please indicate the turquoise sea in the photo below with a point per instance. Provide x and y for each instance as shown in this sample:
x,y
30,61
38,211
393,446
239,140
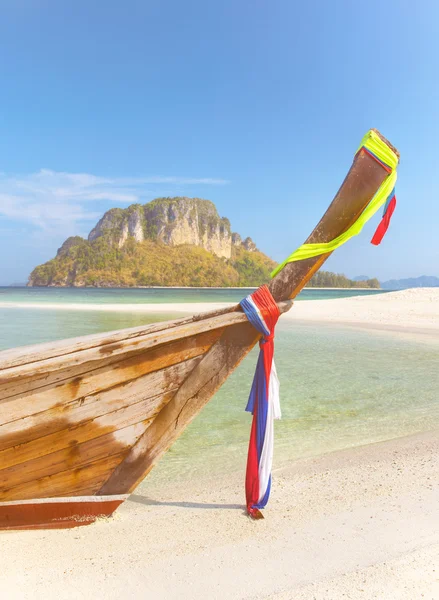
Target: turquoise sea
x,y
23,322
340,387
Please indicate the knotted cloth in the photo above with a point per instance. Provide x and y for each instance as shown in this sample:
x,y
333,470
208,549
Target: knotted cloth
x,y
263,313
381,152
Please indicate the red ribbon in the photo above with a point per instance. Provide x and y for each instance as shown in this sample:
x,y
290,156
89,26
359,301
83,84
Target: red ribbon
x,y
385,222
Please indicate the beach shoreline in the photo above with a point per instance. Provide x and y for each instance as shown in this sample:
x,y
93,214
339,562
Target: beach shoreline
x,y
413,309
360,522
354,523
177,287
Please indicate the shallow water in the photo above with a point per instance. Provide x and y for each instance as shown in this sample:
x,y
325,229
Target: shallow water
x,y
155,295
21,324
339,388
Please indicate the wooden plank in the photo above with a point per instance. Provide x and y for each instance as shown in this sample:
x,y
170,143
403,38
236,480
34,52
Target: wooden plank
x,y
69,438
63,398
68,482
149,389
70,458
35,365
26,354
66,434
32,385
138,344
55,514
362,182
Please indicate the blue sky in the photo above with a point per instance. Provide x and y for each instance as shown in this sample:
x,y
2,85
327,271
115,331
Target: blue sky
x,y
256,105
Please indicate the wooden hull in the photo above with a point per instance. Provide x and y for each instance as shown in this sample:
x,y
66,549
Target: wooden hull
x,y
57,513
83,421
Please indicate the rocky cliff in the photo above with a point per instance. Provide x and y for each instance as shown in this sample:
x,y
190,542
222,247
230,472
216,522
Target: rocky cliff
x,y
174,222
169,241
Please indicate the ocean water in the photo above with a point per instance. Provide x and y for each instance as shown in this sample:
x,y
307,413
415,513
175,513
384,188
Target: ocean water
x,y
23,322
340,387
25,295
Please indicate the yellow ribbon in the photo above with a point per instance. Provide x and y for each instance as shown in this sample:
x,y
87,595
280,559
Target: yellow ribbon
x,y
381,150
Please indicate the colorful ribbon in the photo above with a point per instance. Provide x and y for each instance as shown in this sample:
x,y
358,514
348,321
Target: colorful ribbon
x,y
385,221
380,151
263,313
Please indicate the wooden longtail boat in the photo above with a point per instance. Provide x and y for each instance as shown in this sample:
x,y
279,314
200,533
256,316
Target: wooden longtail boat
x,y
83,421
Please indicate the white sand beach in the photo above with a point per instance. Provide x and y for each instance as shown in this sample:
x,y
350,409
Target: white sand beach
x,y
361,523
416,308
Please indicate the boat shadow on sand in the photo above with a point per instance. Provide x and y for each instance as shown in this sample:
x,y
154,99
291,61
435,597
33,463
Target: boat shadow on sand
x,y
150,502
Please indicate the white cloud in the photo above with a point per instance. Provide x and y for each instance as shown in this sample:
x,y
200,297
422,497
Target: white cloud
x,y
56,202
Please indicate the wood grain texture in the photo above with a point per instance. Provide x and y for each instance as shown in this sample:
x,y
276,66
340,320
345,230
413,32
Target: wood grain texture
x,y
27,354
35,365
73,457
66,483
150,390
32,457
145,403
76,391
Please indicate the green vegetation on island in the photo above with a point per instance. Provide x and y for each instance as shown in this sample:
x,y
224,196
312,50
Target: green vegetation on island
x,y
149,263
335,280
168,242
